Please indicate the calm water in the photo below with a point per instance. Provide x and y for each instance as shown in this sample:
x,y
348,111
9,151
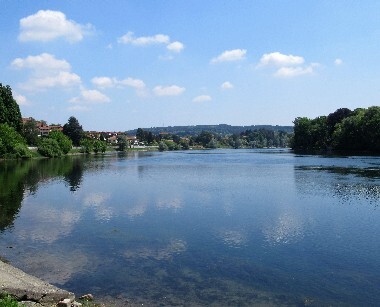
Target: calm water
x,y
224,227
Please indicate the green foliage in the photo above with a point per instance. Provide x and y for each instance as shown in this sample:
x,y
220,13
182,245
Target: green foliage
x,y
12,144
63,141
122,143
99,146
9,110
144,136
162,146
30,132
8,301
357,130
87,145
73,130
49,148
222,129
91,145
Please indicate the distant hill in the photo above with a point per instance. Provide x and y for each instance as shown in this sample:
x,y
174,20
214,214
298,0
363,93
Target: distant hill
x,y
221,129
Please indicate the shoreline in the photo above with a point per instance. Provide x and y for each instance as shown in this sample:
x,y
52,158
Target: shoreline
x,y
30,290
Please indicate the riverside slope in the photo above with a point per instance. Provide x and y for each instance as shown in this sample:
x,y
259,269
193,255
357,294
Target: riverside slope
x,y
29,288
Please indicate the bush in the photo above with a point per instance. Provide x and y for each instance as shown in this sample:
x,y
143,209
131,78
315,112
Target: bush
x,y
99,146
12,144
7,301
49,148
22,151
63,141
162,146
86,145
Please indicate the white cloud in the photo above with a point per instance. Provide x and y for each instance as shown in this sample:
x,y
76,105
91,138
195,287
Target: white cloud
x,y
102,82
46,72
172,90
202,98
90,96
106,82
20,99
62,79
144,40
158,39
41,64
175,47
279,59
226,85
338,62
289,72
49,25
135,83
230,55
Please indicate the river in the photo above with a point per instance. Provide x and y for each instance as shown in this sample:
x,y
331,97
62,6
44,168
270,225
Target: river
x,y
217,227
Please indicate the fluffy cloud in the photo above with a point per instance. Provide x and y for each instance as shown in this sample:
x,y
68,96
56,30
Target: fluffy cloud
x,y
106,82
102,82
20,99
157,39
172,90
175,47
338,62
289,72
144,40
202,98
135,83
90,96
279,59
41,64
230,55
226,85
49,25
287,66
46,72
62,79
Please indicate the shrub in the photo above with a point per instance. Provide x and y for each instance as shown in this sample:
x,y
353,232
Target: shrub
x,y
12,144
86,145
63,141
49,148
7,301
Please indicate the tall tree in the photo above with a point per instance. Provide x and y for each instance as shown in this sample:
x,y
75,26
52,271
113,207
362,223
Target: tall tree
x,y
9,110
73,130
30,132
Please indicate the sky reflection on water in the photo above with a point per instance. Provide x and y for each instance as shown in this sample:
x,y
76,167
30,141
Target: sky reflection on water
x,y
234,227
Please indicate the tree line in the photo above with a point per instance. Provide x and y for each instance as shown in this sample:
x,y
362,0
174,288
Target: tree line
x,y
260,138
16,136
221,129
344,130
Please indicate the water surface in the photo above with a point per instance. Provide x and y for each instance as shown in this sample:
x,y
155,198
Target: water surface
x,y
221,227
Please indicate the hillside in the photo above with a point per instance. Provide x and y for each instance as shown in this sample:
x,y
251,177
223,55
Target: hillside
x,y
221,129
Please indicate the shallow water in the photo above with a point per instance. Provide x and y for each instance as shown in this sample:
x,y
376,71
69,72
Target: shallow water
x,y
222,227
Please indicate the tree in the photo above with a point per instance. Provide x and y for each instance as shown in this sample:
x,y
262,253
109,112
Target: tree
x,y
63,141
9,109
122,143
87,145
140,135
99,146
12,144
73,130
30,132
49,147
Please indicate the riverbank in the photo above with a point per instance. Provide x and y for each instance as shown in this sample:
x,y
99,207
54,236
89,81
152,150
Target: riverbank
x,y
32,291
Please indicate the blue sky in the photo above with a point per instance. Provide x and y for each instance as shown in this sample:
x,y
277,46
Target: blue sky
x,y
119,65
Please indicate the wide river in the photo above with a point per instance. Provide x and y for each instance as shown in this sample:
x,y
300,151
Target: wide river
x,y
218,227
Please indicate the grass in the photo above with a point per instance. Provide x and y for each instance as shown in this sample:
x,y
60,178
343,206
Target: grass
x,y
7,300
